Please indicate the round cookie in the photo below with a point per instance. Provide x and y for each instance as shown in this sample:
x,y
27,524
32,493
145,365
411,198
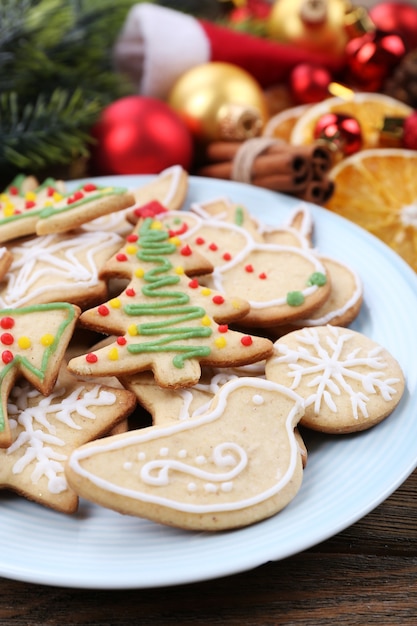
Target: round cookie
x,y
349,383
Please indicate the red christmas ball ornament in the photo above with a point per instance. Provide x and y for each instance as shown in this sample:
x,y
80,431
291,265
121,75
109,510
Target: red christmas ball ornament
x,y
140,135
340,130
371,58
397,17
409,137
309,83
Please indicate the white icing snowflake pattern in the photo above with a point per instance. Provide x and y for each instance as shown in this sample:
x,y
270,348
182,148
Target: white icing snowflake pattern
x,y
335,372
37,440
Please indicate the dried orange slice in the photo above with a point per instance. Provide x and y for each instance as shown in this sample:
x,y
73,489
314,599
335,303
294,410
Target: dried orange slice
x,y
369,109
377,189
280,126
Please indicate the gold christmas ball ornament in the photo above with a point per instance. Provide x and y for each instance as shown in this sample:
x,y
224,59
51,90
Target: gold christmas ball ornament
x,y
314,25
219,101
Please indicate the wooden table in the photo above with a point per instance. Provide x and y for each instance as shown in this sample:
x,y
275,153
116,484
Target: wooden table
x,y
365,575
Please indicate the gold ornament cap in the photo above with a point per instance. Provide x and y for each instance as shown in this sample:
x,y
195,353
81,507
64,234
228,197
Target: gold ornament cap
x,y
237,122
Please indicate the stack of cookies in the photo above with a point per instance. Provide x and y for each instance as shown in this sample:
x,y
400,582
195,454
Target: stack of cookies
x,y
232,336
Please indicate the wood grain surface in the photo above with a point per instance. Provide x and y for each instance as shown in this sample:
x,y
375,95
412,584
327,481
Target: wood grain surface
x,y
363,576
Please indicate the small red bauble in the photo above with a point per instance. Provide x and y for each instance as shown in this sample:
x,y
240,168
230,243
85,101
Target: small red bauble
x,y
397,17
341,130
409,138
371,58
309,83
140,135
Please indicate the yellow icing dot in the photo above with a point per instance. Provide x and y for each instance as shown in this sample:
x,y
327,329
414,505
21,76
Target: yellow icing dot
x,y
4,197
206,321
220,342
156,225
49,203
115,303
131,249
113,354
139,272
57,196
133,330
236,304
175,240
179,270
8,209
24,342
30,195
47,340
205,291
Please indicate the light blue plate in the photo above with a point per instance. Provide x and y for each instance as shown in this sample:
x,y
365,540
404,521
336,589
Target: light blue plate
x,y
346,477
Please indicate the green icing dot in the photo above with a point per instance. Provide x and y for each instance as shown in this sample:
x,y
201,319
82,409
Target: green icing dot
x,y
317,278
295,298
239,218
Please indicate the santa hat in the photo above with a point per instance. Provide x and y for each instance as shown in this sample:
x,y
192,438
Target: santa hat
x,y
157,45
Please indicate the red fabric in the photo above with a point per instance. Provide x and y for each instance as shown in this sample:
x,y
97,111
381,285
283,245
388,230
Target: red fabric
x,y
268,61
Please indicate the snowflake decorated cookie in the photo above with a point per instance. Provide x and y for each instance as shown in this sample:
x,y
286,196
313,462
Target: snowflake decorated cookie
x,y
46,429
33,341
234,465
164,320
349,382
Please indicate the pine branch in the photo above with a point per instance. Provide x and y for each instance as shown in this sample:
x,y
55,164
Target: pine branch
x,y
52,130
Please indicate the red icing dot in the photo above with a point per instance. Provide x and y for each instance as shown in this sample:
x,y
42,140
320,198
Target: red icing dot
x,y
199,241
7,356
218,299
91,358
213,247
103,310
223,328
193,284
29,204
262,276
227,256
249,268
132,238
77,195
121,257
50,192
121,341
13,191
186,251
7,339
130,292
90,187
246,340
7,322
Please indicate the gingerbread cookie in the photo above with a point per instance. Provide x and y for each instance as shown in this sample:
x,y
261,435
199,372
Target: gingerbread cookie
x,y
47,209
33,342
236,464
165,321
349,382
281,283
53,268
45,430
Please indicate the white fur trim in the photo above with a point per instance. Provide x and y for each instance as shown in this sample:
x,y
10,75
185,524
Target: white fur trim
x,y
157,45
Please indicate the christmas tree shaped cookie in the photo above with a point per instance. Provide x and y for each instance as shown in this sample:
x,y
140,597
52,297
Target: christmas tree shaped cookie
x,y
164,320
234,465
45,430
49,208
32,344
